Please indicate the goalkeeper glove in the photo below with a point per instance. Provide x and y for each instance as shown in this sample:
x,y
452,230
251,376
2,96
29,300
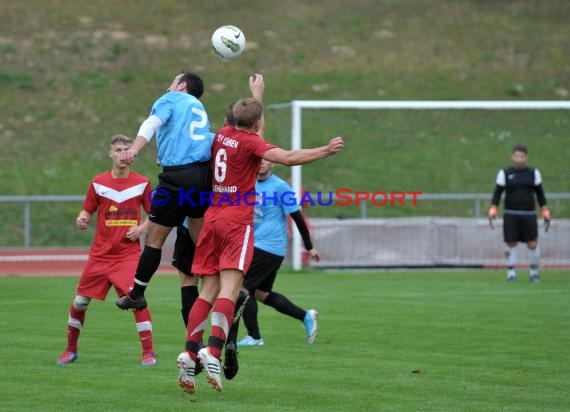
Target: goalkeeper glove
x,y
546,215
492,216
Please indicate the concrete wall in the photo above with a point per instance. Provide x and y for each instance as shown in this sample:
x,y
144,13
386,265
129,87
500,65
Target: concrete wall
x,y
428,241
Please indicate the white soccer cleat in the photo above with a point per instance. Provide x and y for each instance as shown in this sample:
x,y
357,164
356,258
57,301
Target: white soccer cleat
x,y
212,367
186,372
310,323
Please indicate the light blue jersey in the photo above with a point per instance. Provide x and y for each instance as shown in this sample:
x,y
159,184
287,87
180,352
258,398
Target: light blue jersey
x,y
184,136
270,229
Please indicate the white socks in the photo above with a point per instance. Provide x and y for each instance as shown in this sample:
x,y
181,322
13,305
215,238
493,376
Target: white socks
x,y
511,258
533,260
511,255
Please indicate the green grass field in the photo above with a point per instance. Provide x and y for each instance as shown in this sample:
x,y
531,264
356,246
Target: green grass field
x,y
480,345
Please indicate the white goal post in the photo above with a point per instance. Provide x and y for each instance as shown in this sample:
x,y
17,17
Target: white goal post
x,y
297,107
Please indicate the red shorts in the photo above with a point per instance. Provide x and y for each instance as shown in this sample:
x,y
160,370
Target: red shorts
x,y
223,245
100,274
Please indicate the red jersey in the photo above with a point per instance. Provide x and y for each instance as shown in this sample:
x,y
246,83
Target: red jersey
x,y
118,202
236,159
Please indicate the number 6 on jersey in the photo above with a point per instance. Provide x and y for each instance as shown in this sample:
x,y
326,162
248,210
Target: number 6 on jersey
x,y
220,165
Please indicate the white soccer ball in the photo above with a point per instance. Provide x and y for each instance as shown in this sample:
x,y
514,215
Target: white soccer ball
x,y
228,42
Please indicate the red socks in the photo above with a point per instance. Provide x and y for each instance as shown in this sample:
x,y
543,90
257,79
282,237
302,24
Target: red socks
x,y
144,329
222,318
74,325
196,324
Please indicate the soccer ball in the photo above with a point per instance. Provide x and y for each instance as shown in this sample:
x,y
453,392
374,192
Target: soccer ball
x,y
228,42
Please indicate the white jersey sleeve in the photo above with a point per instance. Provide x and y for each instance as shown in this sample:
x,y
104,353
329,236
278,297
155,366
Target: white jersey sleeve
x,y
537,177
149,127
501,179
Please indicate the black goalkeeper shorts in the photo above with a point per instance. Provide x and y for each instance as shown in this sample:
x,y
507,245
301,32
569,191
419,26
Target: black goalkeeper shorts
x,y
520,228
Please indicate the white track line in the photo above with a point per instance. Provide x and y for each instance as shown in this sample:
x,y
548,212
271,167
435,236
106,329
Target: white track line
x,y
43,258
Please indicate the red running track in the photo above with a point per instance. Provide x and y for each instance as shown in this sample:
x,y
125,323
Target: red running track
x,y
49,262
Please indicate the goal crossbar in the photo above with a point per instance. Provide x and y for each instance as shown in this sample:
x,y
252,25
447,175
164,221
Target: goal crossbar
x,y
428,104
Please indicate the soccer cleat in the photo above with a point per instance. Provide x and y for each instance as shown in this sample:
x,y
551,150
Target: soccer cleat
x,y
67,357
126,302
249,341
212,367
231,365
511,279
186,372
310,323
534,278
148,359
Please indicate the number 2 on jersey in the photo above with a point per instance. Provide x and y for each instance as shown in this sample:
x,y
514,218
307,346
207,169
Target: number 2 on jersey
x,y
197,126
220,165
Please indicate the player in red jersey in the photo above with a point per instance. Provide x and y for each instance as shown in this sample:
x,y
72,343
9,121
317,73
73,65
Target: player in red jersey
x,y
117,195
225,246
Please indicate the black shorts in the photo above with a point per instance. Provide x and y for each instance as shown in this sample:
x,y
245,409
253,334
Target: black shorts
x,y
184,249
520,228
263,271
178,194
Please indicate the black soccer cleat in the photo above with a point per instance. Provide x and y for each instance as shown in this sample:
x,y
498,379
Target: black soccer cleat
x,y
126,302
199,368
231,366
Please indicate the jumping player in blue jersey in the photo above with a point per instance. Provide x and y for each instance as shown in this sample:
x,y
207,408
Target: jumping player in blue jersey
x,y
183,138
275,202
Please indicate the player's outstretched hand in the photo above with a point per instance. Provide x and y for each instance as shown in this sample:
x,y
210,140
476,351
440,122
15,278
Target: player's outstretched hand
x,y
315,255
335,145
128,156
546,215
257,86
492,216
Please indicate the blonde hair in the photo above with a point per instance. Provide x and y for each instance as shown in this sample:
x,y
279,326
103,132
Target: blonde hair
x,y
247,112
120,138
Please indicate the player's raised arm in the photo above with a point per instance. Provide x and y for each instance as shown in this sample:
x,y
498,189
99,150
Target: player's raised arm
x,y
304,156
257,87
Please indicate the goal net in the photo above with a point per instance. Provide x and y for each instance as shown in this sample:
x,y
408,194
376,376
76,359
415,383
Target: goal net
x,y
433,147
